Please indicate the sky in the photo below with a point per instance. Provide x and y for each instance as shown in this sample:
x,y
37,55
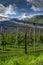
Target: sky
x,y
21,8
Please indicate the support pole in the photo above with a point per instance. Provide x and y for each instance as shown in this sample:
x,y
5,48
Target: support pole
x,y
1,29
17,36
39,35
29,34
34,37
25,42
29,31
2,39
39,32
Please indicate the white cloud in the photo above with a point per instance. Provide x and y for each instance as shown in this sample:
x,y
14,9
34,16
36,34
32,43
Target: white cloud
x,y
10,10
29,0
35,8
4,11
37,3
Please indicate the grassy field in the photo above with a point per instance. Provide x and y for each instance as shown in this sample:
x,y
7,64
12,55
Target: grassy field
x,y
13,53
17,56
29,59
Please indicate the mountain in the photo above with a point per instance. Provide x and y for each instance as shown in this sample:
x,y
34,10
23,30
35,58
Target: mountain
x,y
8,24
36,19
11,25
16,22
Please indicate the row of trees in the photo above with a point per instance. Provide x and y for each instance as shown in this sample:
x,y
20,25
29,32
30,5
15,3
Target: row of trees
x,y
20,39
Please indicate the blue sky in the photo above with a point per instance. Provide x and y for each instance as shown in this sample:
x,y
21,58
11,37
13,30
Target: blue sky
x,y
17,8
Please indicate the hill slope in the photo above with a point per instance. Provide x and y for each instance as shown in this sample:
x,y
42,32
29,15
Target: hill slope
x,y
37,19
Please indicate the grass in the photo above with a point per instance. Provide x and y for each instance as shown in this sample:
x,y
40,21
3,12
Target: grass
x,y
23,60
17,56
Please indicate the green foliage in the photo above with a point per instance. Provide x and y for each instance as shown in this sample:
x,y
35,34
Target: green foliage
x,y
41,38
3,41
23,60
11,39
20,39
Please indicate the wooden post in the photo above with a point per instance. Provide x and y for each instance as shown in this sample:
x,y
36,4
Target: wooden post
x,y
25,43
1,29
17,36
39,32
34,37
29,34
2,37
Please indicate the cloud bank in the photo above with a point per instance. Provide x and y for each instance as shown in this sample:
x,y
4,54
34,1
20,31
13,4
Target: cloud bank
x,y
5,11
35,8
37,4
19,8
